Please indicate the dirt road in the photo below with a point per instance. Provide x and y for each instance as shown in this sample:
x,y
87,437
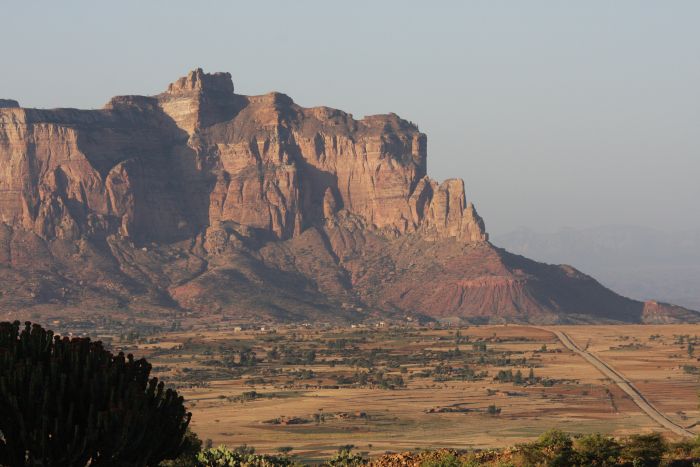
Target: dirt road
x,y
624,384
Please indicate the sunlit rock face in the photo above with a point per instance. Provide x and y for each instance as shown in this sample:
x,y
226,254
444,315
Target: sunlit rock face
x,y
204,200
198,155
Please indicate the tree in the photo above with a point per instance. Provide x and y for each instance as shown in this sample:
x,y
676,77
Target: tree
x,y
273,354
597,450
553,448
285,450
644,450
70,402
309,357
518,378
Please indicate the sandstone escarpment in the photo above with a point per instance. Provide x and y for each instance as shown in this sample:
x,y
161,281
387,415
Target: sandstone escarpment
x,y
204,200
198,155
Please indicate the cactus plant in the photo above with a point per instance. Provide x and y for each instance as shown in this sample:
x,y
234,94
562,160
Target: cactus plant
x,y
71,402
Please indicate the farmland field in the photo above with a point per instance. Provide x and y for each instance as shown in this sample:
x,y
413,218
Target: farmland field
x,y
392,389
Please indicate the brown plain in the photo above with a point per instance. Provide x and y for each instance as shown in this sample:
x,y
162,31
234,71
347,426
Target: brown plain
x,y
377,420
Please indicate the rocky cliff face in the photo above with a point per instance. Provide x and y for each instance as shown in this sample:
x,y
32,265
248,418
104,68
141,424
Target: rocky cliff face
x,y
198,156
202,199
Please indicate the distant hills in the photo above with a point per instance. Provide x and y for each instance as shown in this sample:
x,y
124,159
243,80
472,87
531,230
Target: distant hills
x,y
636,261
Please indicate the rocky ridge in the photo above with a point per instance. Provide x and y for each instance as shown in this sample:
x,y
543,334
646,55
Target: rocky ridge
x,y
201,200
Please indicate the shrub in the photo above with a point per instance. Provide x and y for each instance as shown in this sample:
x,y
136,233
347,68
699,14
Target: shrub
x,y
597,450
553,448
71,402
224,457
345,458
644,450
443,459
686,448
191,446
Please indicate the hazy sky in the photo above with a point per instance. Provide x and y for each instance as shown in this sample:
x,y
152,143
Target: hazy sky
x,y
554,113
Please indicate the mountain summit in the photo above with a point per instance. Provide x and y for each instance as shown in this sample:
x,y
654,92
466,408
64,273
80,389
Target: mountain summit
x,y
200,200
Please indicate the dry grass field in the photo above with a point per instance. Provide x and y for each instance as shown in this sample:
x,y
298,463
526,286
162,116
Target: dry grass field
x,y
389,389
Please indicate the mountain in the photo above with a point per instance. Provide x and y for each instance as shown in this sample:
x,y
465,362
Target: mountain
x,y
205,202
634,260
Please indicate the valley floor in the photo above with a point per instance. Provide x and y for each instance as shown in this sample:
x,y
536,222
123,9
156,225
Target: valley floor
x,y
403,389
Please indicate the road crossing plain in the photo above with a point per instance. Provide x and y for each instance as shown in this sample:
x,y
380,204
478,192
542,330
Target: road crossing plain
x,y
316,413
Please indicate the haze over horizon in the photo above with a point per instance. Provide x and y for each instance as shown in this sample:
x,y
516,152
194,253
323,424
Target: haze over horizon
x,y
556,116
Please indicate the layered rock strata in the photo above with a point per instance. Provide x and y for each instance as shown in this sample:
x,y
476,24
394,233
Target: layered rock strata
x,y
205,200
